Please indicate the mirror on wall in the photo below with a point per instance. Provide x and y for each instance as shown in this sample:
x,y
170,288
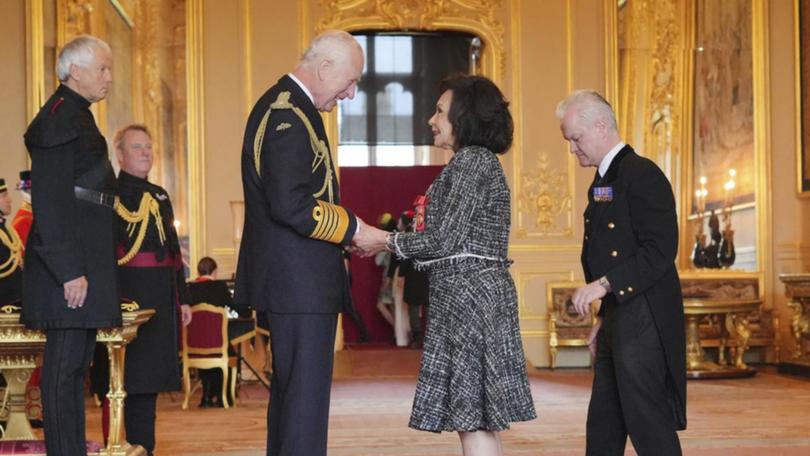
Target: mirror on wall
x,y
686,79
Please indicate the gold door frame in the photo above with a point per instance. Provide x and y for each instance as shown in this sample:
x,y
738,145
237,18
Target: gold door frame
x,y
478,18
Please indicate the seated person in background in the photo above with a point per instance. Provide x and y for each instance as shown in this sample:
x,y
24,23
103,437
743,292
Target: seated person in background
x,y
206,289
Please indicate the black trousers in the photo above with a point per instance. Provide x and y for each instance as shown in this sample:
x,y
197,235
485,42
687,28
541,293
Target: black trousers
x,y
139,420
67,356
303,354
631,388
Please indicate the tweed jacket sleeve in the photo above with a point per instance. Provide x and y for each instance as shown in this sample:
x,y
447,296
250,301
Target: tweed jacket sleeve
x,y
455,196
654,223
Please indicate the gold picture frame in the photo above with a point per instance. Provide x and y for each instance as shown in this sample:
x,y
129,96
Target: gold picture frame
x,y
802,38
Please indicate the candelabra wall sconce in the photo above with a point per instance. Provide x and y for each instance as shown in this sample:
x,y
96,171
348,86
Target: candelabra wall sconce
x,y
719,251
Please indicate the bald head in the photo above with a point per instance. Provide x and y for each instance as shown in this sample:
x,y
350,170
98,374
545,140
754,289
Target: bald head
x,y
331,67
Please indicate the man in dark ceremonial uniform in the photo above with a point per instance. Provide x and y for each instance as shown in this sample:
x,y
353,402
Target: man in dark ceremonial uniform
x,y
11,250
628,256
69,280
151,274
290,263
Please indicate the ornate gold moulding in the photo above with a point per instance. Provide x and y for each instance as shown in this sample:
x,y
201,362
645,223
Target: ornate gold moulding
x,y
797,289
19,349
732,317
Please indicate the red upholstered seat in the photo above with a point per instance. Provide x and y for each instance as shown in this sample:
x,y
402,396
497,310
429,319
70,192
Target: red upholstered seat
x,y
205,346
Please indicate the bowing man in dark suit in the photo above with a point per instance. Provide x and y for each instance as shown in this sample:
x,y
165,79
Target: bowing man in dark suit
x,y
628,254
290,264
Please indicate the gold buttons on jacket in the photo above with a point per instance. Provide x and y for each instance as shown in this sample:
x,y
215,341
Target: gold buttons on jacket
x,y
614,253
621,292
611,225
586,237
629,289
587,220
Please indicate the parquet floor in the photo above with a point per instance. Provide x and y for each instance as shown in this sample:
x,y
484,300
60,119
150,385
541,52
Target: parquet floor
x,y
371,398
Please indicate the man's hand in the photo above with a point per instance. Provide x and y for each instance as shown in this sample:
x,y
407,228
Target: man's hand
x,y
185,314
368,240
592,336
75,292
584,296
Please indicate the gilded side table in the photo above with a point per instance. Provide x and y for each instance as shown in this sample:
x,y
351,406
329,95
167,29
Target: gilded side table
x,y
19,348
732,315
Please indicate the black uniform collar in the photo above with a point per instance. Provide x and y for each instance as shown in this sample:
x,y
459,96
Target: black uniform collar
x,y
613,169
70,94
126,178
302,101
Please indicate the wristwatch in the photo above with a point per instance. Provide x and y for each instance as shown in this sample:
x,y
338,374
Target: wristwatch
x,y
603,281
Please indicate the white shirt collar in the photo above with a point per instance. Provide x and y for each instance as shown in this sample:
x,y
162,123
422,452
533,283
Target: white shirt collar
x,y
605,164
303,87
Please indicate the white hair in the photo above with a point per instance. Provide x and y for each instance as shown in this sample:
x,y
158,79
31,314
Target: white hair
x,y
590,107
335,45
80,51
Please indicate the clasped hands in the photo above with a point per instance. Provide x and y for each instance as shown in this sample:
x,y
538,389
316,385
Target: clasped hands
x,y
368,240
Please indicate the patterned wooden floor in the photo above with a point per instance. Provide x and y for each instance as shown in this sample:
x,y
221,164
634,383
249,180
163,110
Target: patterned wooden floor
x,y
373,389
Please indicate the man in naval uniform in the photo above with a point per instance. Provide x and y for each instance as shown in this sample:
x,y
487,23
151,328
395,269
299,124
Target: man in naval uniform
x,y
151,274
11,250
290,264
628,256
69,280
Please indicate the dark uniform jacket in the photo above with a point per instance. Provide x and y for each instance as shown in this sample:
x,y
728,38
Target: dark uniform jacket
x,y
216,293
70,237
633,241
290,257
11,261
154,279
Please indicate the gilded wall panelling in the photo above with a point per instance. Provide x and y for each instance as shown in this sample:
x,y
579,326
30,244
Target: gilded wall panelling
x,y
545,198
542,193
195,129
525,278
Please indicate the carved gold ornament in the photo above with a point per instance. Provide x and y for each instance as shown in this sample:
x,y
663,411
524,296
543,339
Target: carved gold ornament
x,y
544,195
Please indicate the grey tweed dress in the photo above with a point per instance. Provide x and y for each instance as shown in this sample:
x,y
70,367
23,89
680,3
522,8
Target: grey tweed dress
x,y
473,371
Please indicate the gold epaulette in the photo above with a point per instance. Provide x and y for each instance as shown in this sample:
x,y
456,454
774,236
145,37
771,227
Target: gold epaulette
x,y
319,148
149,206
332,222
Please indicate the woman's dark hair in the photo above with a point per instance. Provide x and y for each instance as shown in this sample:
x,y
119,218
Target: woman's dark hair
x,y
206,266
479,113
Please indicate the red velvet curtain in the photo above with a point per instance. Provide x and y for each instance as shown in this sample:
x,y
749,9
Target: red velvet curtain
x,y
368,192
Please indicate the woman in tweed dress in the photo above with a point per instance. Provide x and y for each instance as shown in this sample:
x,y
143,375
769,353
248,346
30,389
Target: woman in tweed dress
x,y
472,379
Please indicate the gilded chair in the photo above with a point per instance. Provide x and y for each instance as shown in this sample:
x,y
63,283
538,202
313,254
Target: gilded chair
x,y
205,346
566,328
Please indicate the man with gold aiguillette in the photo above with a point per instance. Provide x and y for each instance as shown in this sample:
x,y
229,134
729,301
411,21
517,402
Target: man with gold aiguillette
x,y
151,274
24,217
10,254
